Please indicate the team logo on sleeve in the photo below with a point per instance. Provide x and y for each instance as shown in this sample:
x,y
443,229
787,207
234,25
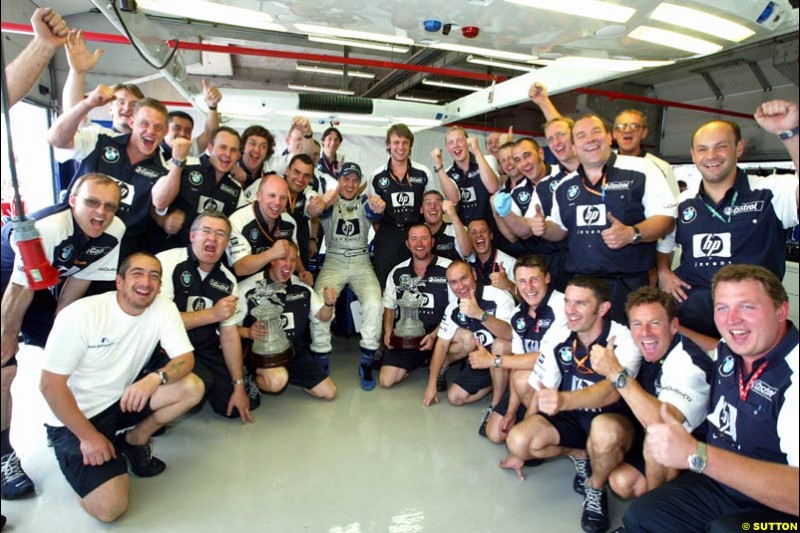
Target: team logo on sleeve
x,y
383,182
591,215
711,245
254,235
565,355
186,278
520,324
110,154
726,368
573,192
198,303
688,214
553,185
195,177
66,253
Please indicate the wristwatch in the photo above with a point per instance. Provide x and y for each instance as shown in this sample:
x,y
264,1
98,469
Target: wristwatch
x,y
698,461
239,381
637,235
177,162
485,316
621,379
788,134
437,169
162,376
498,361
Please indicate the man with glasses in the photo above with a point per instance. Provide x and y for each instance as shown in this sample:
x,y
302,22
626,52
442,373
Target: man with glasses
x,y
133,159
571,402
630,131
81,240
206,294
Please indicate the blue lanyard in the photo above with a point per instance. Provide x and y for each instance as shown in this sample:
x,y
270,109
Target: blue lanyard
x,y
716,214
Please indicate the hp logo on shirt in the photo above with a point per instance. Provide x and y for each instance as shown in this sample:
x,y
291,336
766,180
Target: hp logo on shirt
x,y
712,245
591,215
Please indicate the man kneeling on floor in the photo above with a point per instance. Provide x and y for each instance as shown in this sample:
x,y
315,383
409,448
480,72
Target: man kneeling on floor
x,y
480,316
575,411
301,306
98,347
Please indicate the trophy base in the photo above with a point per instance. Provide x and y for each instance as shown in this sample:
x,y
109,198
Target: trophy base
x,y
406,343
254,360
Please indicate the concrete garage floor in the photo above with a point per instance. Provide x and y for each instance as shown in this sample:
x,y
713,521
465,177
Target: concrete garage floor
x,y
376,461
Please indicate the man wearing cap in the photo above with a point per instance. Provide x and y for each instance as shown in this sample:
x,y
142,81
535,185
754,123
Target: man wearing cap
x,y
346,225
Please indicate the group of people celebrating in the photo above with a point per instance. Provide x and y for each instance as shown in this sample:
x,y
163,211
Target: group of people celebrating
x,y
538,286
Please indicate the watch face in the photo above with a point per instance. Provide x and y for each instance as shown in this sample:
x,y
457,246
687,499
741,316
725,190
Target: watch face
x,y
621,381
696,463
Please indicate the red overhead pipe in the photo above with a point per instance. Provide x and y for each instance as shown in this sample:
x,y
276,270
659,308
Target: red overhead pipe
x,y
243,50
481,127
614,95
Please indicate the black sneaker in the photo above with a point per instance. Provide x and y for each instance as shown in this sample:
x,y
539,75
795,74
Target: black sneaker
x,y
15,482
441,379
365,374
485,420
595,510
583,471
140,458
252,390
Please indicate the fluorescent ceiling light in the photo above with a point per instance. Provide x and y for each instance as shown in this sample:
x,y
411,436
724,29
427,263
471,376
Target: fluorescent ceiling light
x,y
212,12
449,85
582,8
353,34
422,122
697,20
359,44
328,90
332,116
487,52
335,71
500,64
673,39
416,99
615,65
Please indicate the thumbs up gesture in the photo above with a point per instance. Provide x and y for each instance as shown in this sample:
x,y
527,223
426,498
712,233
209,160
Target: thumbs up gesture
x,y
550,402
507,137
538,222
376,203
617,235
604,360
499,278
480,358
668,442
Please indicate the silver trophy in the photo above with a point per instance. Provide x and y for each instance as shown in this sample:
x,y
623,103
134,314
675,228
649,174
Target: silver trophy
x,y
276,349
409,330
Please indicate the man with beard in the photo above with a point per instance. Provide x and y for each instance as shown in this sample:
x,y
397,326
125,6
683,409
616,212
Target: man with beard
x,y
478,316
81,239
134,159
399,362
301,307
95,381
194,185
206,293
